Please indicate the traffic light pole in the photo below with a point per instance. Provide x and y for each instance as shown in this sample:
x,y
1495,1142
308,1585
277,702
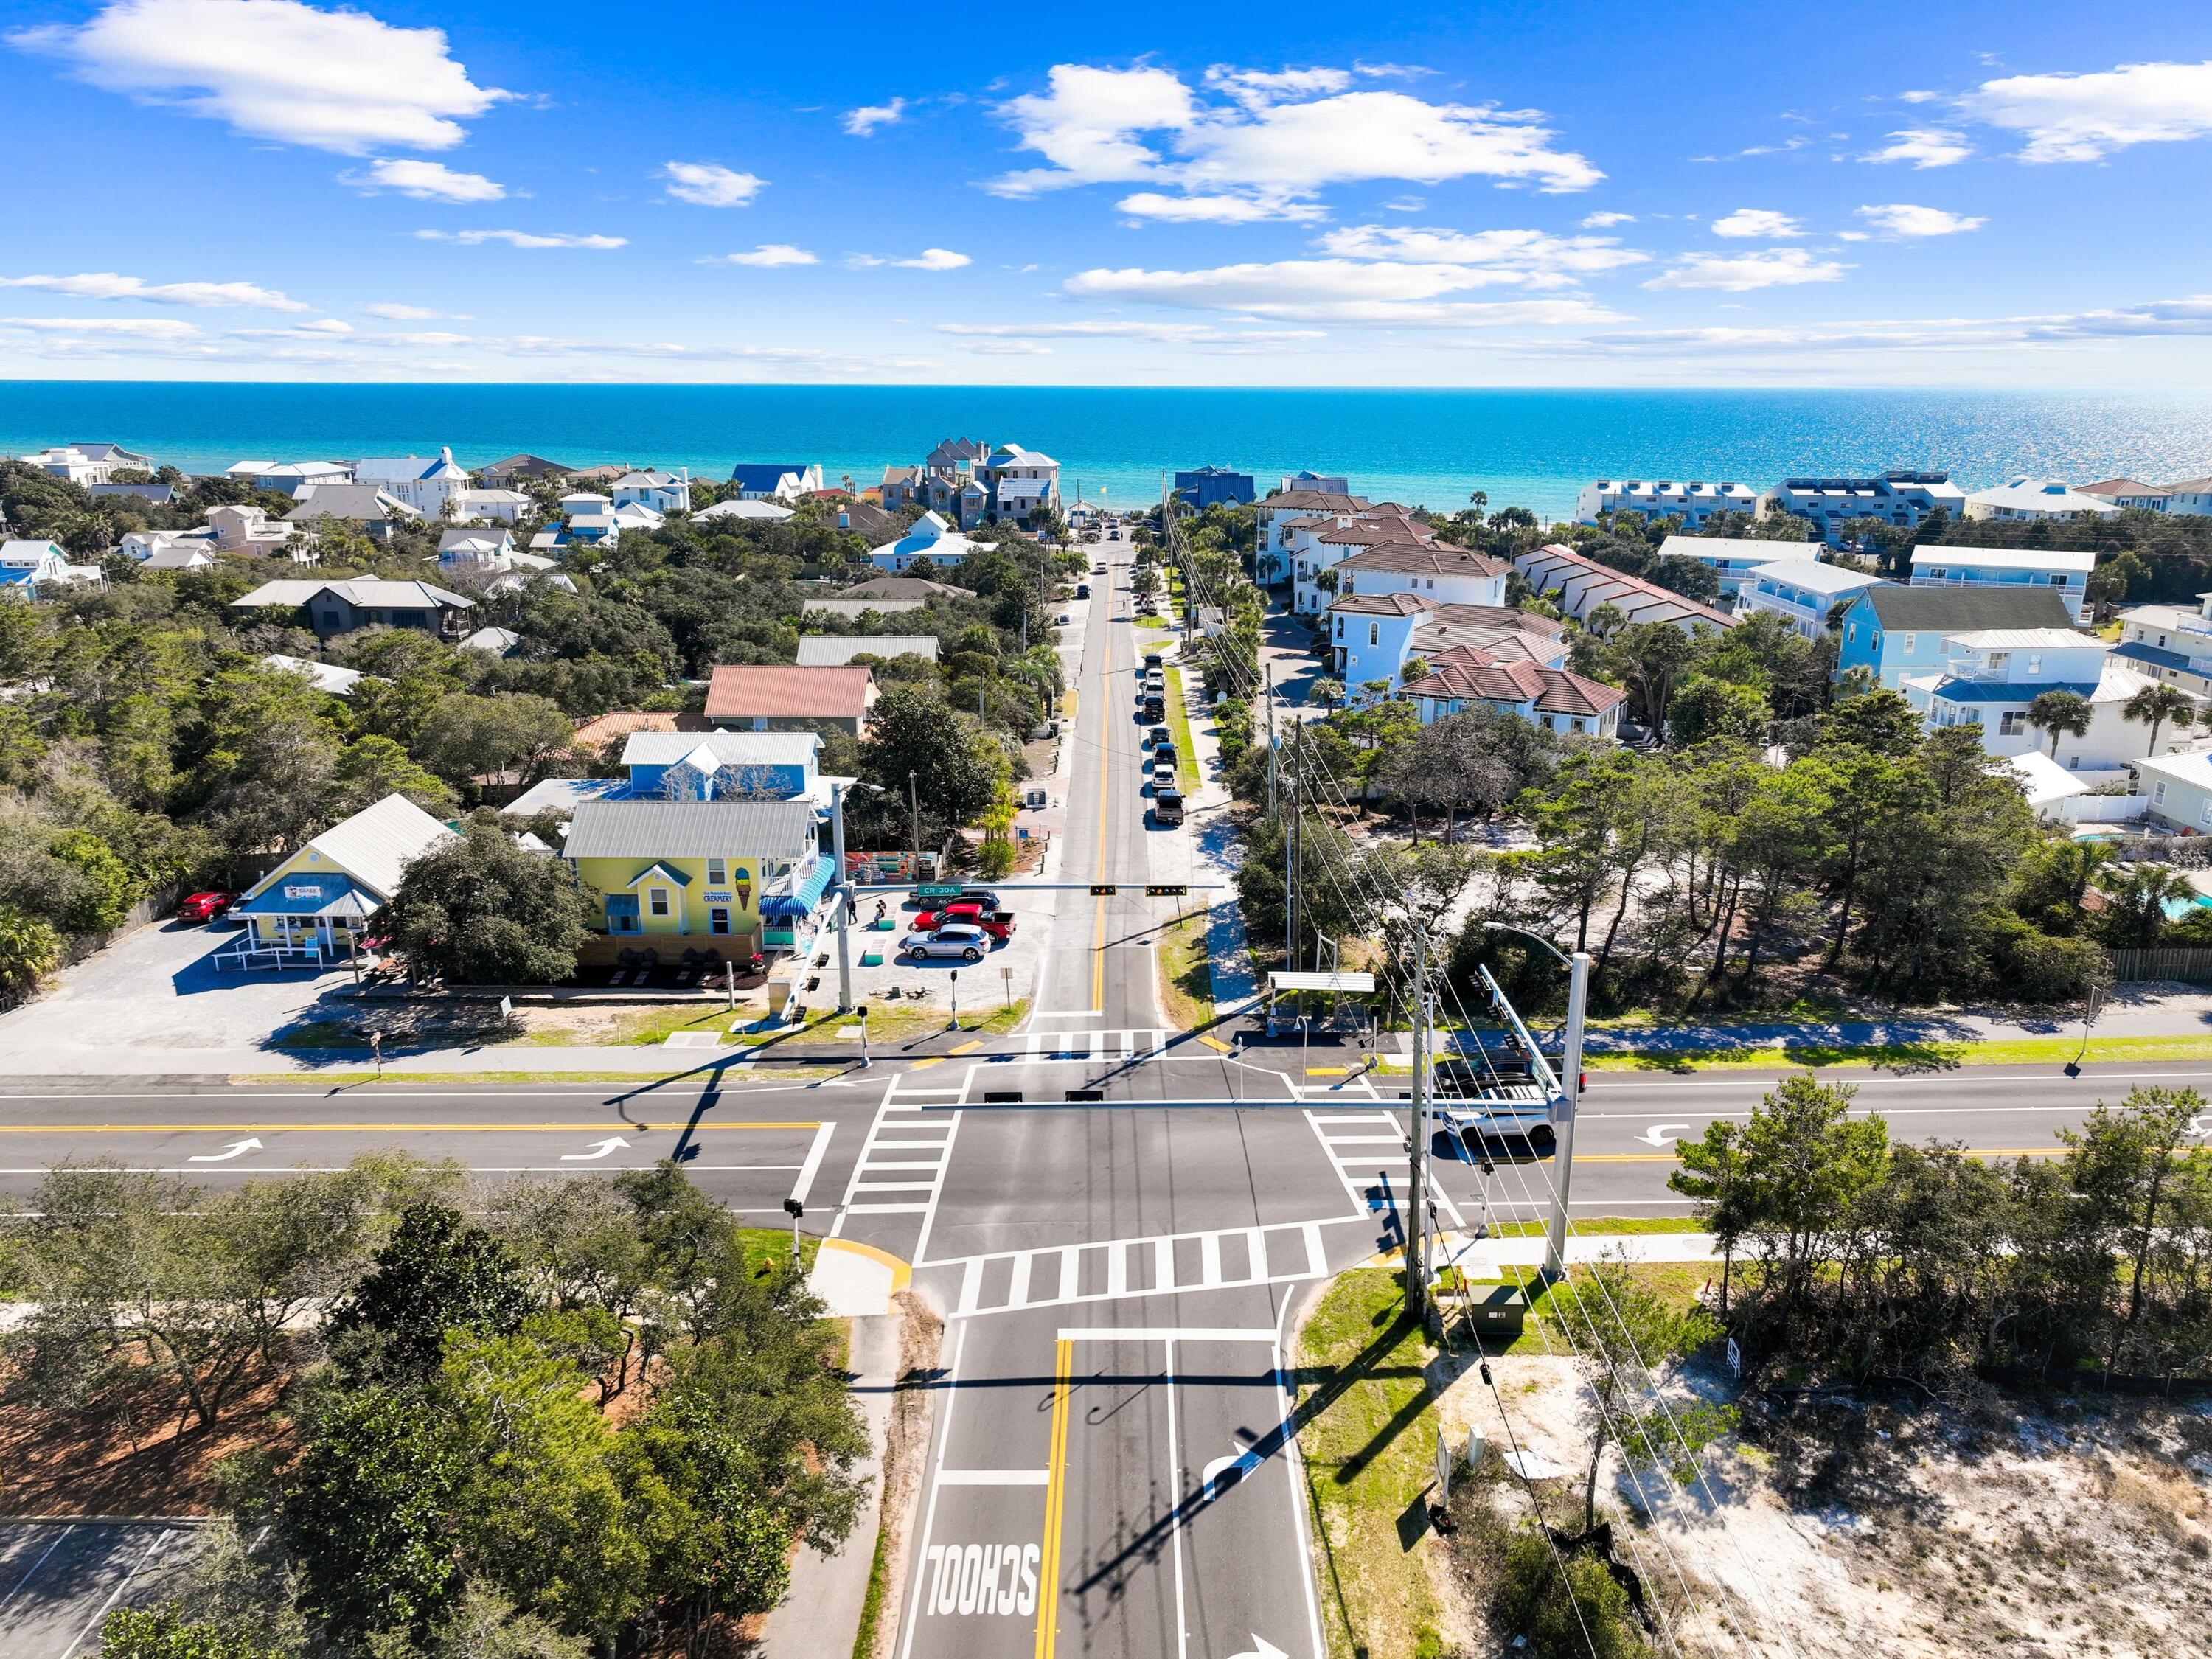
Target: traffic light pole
x,y
1570,1088
1417,1245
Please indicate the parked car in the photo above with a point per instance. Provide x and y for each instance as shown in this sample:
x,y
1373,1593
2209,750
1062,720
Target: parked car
x,y
1167,806
206,907
1153,659
1157,736
961,940
1083,590
1164,754
1155,709
968,913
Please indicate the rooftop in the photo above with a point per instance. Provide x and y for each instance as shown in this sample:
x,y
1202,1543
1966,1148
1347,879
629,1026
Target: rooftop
x,y
691,829
781,691
2003,558
824,650
1947,610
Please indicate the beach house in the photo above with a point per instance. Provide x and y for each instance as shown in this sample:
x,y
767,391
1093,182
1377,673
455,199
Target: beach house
x,y
1902,499
785,697
2034,501
2064,574
1553,698
1802,593
1692,501
1579,584
1732,560
1891,631
1992,676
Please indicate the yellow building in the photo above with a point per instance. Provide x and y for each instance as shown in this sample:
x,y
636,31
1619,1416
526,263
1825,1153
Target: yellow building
x,y
308,909
749,872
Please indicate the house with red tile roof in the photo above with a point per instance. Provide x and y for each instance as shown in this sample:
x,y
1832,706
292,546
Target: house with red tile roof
x,y
1554,698
785,697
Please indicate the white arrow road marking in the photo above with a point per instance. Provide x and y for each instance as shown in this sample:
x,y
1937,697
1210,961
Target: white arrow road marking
x,y
598,1151
1262,1649
237,1149
1658,1134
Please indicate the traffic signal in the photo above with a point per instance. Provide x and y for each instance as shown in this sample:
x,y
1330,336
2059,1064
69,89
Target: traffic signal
x,y
1103,890
1167,890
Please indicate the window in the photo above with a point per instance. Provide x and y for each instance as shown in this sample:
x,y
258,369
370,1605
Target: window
x,y
2034,665
1911,644
1375,632
2204,812
2158,796
2058,579
718,872
718,919
656,901
2008,723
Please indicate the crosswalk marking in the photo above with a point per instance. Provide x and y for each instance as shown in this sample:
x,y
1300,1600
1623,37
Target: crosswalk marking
x,y
1031,1281
1141,1042
903,1154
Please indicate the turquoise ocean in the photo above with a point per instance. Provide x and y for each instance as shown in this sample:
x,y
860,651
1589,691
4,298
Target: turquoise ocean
x,y
1531,449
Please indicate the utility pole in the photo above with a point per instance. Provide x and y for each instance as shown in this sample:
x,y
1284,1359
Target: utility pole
x,y
1271,743
1290,872
844,900
914,802
1563,1129
1416,1198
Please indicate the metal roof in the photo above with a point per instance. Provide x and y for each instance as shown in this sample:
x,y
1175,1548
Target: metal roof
x,y
762,748
691,829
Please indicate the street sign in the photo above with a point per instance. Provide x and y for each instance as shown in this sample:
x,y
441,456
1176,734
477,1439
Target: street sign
x,y
1166,890
1103,890
936,891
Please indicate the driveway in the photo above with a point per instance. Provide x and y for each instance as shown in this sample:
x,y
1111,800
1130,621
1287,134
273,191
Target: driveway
x,y
60,1579
155,989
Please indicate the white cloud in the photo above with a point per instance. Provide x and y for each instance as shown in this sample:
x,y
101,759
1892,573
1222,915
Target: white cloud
x,y
935,259
520,239
1762,222
133,328
426,181
2083,117
107,285
1797,142
1218,210
1272,138
1903,219
1738,273
1333,290
767,254
1011,348
1530,258
1924,147
1601,220
704,185
2190,318
399,314
337,80
1121,329
866,119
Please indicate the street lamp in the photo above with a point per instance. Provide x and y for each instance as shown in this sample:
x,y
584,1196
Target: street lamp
x,y
844,890
1570,1086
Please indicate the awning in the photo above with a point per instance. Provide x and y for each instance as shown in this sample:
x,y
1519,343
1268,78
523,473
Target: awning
x,y
323,894
1344,983
798,898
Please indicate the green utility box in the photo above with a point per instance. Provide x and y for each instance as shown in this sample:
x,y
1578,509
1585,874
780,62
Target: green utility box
x,y
1497,1309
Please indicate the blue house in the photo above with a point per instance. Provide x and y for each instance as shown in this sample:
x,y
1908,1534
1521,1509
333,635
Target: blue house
x,y
775,480
1212,486
1892,631
695,766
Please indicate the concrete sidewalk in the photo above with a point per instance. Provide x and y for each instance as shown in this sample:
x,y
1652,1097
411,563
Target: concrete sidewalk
x,y
1216,852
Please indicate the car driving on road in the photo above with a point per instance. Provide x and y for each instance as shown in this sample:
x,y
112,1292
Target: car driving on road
x,y
960,940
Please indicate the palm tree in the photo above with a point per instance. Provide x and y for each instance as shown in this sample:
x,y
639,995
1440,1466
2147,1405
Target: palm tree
x,y
2135,913
2159,703
2059,711
1478,500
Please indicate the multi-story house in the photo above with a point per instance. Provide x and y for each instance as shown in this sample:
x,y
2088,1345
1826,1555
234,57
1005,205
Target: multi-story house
x,y
1023,483
1692,501
1579,584
1732,559
2166,642
1374,637
928,541
2125,493
28,566
1317,544
1903,499
495,505
2034,501
1993,676
89,463
777,481
332,607
2065,573
292,478
1803,592
1202,486
1433,570
1277,513
422,484
248,529
662,492
1889,632
1556,699
2191,498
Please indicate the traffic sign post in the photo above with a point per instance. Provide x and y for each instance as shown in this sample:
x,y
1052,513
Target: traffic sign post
x,y
865,1061
955,982
794,1209
1006,982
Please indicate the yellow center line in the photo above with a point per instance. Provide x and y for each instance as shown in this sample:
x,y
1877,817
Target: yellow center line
x,y
376,1128
966,1047
1054,1495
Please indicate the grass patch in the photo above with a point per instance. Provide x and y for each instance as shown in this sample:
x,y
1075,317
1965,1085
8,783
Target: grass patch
x,y
1908,1056
872,1605
1153,619
770,1247
898,1022
353,1079
1560,1307
1186,976
1179,723
1369,1443
1604,1224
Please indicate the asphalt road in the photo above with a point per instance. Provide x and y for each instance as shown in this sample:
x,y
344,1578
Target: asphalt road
x,y
1110,1473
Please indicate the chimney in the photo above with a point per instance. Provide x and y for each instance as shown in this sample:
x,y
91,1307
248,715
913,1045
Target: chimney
x,y
446,454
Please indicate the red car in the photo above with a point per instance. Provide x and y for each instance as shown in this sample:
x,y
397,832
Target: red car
x,y
205,907
999,924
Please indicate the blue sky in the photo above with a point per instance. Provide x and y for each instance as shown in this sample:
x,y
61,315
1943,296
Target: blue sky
x,y
1559,194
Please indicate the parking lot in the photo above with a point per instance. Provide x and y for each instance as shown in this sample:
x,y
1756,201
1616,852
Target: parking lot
x,y
59,1579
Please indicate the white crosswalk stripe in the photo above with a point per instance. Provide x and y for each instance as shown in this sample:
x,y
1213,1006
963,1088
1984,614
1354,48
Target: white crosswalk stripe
x,y
901,1168
1359,1147
1008,1281
1141,1043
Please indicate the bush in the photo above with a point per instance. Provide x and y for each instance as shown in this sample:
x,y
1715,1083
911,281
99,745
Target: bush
x,y
1583,1612
2034,967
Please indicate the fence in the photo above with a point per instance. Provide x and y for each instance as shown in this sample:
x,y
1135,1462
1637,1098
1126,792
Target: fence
x,y
2191,966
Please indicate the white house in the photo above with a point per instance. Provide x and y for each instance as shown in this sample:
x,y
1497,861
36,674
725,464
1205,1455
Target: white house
x,y
1318,543
1328,483
1732,560
248,529
778,481
89,464
1276,513
322,675
1801,591
26,566
594,520
424,484
2192,498
1022,482
144,544
766,512
180,556
1435,570
2176,790
1373,638
491,507
2028,501
458,550
2166,642
663,492
931,540
1899,498
1579,584
1992,676
2125,493
1553,698
1692,501
2067,573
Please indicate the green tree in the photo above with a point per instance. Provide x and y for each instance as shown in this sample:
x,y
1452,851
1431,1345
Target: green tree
x,y
1650,658
1567,1606
1707,710
469,736
1631,1338
436,1273
1880,721
29,949
2136,1170
164,1632
912,730
1711,1171
1805,1162
370,767
480,909
2135,905
2061,713
108,890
